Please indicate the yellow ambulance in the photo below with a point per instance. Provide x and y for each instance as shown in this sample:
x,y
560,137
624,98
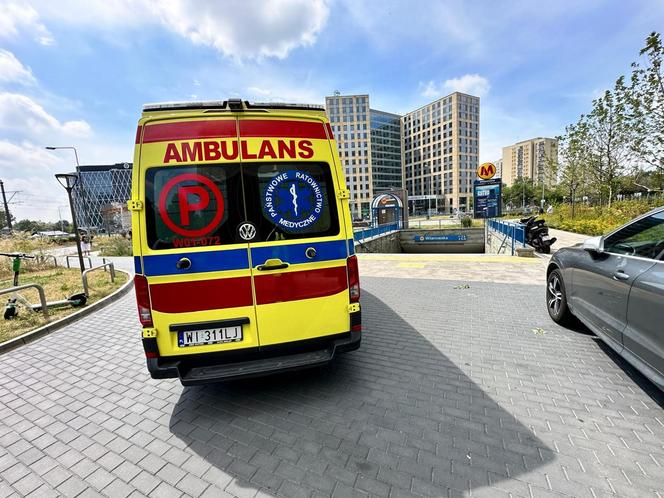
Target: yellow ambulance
x,y
242,240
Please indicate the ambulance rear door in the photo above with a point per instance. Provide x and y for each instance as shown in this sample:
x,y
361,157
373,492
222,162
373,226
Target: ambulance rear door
x,y
197,267
300,247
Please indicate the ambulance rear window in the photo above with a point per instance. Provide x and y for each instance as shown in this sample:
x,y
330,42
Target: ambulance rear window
x,y
290,200
193,206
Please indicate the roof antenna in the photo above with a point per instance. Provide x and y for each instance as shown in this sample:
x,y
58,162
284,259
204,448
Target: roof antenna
x,y
337,93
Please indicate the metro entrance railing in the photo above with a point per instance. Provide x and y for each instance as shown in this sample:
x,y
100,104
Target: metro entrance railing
x,y
511,229
367,233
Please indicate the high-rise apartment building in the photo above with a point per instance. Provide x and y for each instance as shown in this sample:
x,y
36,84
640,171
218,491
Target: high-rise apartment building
x,y
441,153
498,163
531,159
369,143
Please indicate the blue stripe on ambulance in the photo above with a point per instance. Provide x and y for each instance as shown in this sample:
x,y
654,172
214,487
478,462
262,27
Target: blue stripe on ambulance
x,y
237,259
295,253
164,264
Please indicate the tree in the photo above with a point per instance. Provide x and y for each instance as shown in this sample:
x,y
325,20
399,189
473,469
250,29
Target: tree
x,y
520,193
646,104
3,218
608,137
573,150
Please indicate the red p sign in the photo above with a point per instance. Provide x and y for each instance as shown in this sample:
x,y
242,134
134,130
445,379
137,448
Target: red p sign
x,y
183,197
191,198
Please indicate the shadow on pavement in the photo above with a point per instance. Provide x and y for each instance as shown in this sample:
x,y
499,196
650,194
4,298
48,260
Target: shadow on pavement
x,y
396,413
637,377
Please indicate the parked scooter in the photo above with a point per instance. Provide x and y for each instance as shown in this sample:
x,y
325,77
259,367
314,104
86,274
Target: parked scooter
x,y
537,234
12,306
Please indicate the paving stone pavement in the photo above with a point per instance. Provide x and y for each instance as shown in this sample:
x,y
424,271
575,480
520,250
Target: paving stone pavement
x,y
456,391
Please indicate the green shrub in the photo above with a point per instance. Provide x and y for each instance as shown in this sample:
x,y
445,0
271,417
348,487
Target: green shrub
x,y
596,220
114,245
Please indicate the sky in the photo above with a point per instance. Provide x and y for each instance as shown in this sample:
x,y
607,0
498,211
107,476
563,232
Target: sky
x,y
77,72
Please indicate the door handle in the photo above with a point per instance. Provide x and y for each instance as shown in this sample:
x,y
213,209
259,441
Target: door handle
x,y
183,264
272,264
620,275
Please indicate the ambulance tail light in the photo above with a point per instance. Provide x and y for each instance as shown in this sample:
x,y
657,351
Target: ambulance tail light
x,y
353,279
143,300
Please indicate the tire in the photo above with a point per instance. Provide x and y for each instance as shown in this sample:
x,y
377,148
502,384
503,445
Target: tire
x,y
78,300
10,312
556,299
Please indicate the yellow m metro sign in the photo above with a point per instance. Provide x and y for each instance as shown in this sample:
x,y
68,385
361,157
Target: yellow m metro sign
x,y
486,171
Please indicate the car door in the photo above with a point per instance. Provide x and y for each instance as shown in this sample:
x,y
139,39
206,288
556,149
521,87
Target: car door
x,y
300,251
196,266
602,281
644,335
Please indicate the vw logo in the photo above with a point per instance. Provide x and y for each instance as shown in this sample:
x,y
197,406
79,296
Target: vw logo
x,y
247,231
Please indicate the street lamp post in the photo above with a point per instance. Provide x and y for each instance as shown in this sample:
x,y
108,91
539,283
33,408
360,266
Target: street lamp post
x,y
68,181
83,196
62,226
72,148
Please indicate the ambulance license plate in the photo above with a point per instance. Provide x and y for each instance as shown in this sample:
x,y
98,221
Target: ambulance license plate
x,y
209,336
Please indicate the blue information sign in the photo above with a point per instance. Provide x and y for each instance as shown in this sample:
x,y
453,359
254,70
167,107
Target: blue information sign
x,y
452,237
487,198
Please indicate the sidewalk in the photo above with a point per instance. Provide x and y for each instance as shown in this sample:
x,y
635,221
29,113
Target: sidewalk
x,y
566,239
465,267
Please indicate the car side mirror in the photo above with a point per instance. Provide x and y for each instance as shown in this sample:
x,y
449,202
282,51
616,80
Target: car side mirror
x,y
593,245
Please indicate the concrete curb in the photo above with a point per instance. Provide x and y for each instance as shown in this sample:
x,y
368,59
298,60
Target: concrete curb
x,y
51,327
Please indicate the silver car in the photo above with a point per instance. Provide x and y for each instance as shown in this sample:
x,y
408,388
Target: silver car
x,y
615,285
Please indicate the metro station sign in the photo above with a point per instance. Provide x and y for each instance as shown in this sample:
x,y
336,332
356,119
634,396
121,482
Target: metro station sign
x,y
486,171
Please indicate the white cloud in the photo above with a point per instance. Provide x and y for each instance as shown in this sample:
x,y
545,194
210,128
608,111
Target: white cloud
x,y
15,17
12,71
429,89
14,158
247,28
472,84
19,113
30,169
240,29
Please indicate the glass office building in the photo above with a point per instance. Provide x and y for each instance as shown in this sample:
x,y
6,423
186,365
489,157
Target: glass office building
x,y
100,197
369,143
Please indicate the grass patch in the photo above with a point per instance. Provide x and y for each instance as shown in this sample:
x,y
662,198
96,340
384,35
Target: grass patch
x,y
58,283
115,245
597,220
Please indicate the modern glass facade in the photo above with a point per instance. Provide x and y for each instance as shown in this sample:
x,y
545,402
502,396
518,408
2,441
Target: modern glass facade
x,y
386,170
100,197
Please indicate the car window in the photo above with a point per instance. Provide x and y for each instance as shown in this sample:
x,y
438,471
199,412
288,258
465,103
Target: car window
x,y
290,200
644,238
193,206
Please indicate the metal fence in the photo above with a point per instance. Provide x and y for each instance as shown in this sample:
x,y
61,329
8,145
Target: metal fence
x,y
367,233
515,231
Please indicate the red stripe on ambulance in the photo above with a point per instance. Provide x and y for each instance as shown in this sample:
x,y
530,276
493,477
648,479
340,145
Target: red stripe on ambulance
x,y
297,285
201,295
186,130
280,128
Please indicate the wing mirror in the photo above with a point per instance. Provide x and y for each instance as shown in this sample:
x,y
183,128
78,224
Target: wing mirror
x,y
593,245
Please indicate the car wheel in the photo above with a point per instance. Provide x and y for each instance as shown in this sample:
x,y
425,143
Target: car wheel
x,y
556,299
